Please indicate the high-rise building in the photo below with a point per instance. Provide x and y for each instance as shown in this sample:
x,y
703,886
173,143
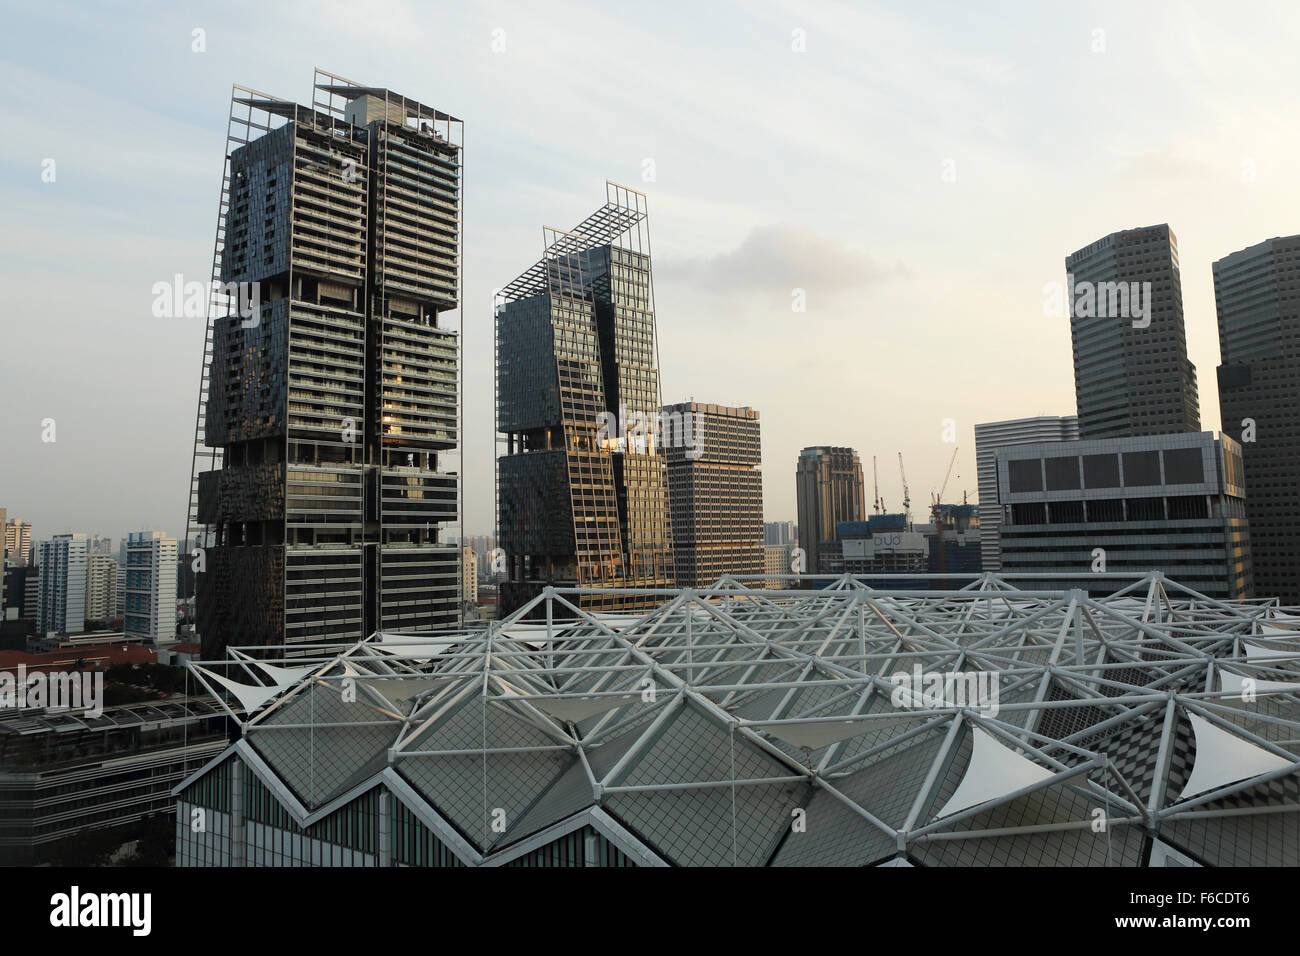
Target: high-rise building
x,y
333,379
101,587
468,575
780,532
61,605
776,561
581,478
119,606
991,436
4,564
97,544
18,540
1170,503
715,492
32,593
829,487
1257,292
1131,371
149,610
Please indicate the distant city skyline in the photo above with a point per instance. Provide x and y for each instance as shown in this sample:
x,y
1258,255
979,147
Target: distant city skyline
x,y
922,228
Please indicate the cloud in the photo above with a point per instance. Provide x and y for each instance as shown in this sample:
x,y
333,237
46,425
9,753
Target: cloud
x,y
781,257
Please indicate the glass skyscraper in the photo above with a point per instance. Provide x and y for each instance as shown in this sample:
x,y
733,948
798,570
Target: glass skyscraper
x,y
582,492
1256,291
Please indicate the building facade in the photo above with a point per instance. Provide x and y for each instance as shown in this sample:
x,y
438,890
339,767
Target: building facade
x,y
582,485
829,488
776,561
101,587
1169,503
1256,292
333,403
149,607
715,491
1131,371
989,437
61,605
18,540
780,532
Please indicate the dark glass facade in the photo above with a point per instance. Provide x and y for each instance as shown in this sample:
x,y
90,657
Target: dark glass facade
x,y
1257,291
333,403
579,503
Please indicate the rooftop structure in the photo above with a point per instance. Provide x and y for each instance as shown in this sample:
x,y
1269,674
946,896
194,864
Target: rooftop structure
x,y
732,726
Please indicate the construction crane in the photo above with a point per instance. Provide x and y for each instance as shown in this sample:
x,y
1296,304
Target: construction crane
x,y
936,515
907,495
946,475
877,504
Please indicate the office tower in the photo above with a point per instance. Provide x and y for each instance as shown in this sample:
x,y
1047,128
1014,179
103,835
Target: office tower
x,y
101,587
1256,292
32,593
329,404
18,540
1170,503
829,488
582,492
468,575
96,544
715,491
991,436
780,532
1131,372
776,561
149,609
61,605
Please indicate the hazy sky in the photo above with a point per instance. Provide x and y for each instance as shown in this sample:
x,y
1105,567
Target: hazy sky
x,y
773,169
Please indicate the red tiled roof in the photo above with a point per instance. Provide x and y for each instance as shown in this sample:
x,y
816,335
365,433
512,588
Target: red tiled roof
x,y
94,656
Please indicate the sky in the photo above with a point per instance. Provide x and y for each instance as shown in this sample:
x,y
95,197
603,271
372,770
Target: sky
x,y
918,170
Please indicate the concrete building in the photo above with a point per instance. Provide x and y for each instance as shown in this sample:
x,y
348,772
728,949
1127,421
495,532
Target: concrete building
x,y
776,561
715,492
101,587
97,544
829,488
322,494
991,436
468,575
149,609
780,532
1131,371
582,480
64,774
119,594
1257,294
32,593
62,601
18,540
1169,503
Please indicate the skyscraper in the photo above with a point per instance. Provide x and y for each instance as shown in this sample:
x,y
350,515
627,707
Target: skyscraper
x,y
18,539
329,397
829,488
149,608
991,436
101,587
61,605
1256,292
1131,371
715,490
582,492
